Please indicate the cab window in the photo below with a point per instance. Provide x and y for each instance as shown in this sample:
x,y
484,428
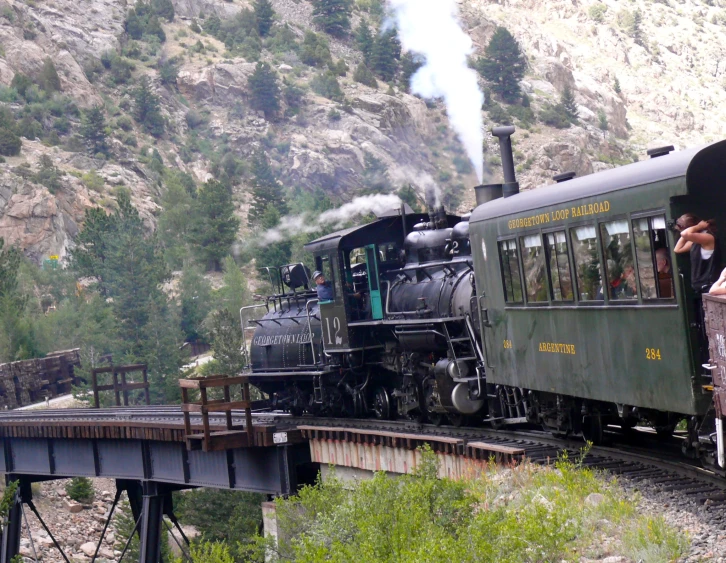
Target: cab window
x,y
653,257
619,265
533,264
587,263
325,265
511,277
559,264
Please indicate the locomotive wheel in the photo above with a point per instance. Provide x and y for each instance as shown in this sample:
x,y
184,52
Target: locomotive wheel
x,y
431,402
456,419
592,428
436,418
382,404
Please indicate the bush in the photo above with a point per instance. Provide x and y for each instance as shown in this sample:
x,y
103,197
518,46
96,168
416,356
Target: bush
x,y
597,12
555,116
334,115
498,115
80,489
125,123
196,119
364,75
10,143
315,50
48,175
93,181
326,85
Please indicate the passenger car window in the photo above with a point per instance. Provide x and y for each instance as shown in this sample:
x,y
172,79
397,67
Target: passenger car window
x,y
533,264
559,262
587,263
653,257
618,250
510,271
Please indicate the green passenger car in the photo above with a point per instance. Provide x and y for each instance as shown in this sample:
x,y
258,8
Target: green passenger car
x,y
578,311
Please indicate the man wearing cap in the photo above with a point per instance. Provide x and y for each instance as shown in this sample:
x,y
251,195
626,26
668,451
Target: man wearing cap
x,y
324,288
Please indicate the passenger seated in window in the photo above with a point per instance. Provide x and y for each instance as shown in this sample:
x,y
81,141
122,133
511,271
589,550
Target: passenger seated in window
x,y
698,238
324,288
665,276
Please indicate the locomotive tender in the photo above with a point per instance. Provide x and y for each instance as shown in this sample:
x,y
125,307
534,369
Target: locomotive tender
x,y
546,307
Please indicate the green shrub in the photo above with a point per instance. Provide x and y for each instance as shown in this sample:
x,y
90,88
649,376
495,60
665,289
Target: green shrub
x,y
48,175
125,123
555,115
10,143
597,12
195,119
364,75
93,181
498,115
315,50
334,115
326,84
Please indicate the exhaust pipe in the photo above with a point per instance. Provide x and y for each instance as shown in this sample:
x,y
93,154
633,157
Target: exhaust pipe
x,y
487,193
510,186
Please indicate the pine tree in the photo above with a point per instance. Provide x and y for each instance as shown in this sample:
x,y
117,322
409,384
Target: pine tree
x,y
80,489
264,90
12,304
195,293
215,226
10,143
616,86
266,189
93,130
225,335
385,53
146,108
49,79
409,66
364,40
567,99
365,76
333,16
636,27
234,294
265,15
163,9
503,65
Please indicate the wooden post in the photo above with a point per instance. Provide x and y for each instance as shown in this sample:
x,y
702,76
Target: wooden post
x,y
248,410
94,382
146,386
124,390
116,390
187,418
205,417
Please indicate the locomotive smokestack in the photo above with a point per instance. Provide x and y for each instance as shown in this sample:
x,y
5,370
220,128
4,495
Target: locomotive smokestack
x,y
510,186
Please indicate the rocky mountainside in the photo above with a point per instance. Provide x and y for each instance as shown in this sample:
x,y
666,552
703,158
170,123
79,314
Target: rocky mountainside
x,y
656,81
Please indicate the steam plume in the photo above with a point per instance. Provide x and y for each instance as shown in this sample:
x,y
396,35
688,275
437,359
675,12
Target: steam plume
x,y
425,185
431,28
292,225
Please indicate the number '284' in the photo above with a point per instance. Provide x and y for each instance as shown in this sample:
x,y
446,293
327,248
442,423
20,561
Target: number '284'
x,y
652,354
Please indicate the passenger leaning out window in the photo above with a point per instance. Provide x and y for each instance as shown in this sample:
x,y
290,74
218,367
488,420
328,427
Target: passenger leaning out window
x,y
698,238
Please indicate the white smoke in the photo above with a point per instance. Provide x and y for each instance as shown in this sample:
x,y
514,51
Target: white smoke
x,y
424,184
431,28
292,225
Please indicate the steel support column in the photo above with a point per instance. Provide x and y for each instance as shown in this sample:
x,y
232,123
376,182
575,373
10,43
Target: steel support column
x,y
14,525
154,501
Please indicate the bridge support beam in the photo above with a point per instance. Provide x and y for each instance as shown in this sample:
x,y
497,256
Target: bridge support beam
x,y
11,531
156,501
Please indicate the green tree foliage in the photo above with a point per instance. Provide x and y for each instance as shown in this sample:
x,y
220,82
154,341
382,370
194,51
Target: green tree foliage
x,y
326,84
636,27
146,109
93,130
124,524
239,34
567,99
142,22
266,189
196,302
410,64
365,76
80,489
333,16
231,517
364,40
168,70
175,223
503,65
10,143
49,79
265,16
224,332
163,9
20,83
597,12
555,115
264,90
602,119
293,95
15,333
48,174
616,86
215,225
234,294
385,53
315,50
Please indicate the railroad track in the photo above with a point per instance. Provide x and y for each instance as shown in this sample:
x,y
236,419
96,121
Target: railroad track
x,y
635,457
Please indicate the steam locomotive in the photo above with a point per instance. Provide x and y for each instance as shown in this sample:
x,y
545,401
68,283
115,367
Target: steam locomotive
x,y
544,307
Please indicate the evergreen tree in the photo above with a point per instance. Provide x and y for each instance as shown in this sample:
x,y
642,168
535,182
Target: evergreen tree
x,y
616,86
10,143
409,66
13,335
147,108
364,40
264,90
174,225
503,65
567,99
636,27
234,294
215,227
195,295
163,9
365,76
385,53
49,79
225,335
333,16
265,15
168,70
93,130
80,489
266,189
